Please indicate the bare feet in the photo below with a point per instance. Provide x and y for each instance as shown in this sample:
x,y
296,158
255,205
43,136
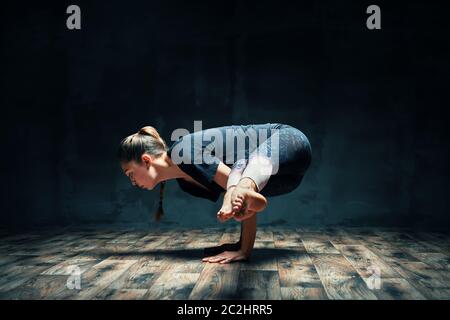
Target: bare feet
x,y
245,198
226,211
243,215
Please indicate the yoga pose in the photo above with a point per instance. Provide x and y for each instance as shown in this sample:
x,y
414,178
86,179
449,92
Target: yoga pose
x,y
271,164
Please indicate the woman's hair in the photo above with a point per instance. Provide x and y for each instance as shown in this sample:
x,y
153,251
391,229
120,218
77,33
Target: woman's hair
x,y
146,140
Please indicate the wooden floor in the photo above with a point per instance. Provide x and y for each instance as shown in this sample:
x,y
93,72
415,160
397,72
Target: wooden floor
x,y
285,264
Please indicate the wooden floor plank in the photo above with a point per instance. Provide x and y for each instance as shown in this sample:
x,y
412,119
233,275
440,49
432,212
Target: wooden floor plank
x,y
258,285
205,240
99,277
262,259
16,275
123,294
149,244
297,269
431,283
298,277
303,293
439,261
318,245
264,235
230,235
286,263
66,267
38,287
140,275
286,235
391,254
172,286
216,281
340,279
366,263
397,289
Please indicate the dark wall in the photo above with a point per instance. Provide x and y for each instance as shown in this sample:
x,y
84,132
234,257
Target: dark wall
x,y
373,104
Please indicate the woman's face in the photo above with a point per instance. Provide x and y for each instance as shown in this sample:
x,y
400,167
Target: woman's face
x,y
142,175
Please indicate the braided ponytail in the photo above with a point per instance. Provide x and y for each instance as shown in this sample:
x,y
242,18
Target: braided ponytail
x,y
160,212
151,131
146,140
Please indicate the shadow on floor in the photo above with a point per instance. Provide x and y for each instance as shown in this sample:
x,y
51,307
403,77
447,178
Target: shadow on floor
x,y
258,254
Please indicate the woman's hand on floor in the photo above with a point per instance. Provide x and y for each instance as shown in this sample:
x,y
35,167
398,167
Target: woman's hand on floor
x,y
226,257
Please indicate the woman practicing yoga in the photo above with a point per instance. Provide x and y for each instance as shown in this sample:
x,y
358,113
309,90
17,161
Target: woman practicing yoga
x,y
272,163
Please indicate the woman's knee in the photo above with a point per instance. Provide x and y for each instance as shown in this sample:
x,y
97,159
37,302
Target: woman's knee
x,y
300,152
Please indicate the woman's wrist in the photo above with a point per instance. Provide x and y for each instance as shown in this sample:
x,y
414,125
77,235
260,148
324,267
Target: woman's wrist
x,y
246,253
248,235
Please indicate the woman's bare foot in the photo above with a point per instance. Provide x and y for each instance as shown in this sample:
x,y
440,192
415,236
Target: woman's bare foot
x,y
245,198
243,215
226,211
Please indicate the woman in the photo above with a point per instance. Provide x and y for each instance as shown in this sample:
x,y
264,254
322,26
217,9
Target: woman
x,y
272,163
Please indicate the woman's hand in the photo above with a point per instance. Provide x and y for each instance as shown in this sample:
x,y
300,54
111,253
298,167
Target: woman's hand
x,y
227,257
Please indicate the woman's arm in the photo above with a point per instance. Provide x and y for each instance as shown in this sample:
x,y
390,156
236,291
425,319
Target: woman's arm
x,y
248,226
221,176
248,235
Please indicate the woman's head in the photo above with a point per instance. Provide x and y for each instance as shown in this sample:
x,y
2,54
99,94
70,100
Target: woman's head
x,y
138,153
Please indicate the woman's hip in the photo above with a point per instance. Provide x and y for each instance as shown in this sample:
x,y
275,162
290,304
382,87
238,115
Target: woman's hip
x,y
291,151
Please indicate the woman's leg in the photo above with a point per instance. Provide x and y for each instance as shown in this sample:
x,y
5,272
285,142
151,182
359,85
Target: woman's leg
x,y
284,158
294,157
262,163
235,175
259,169
226,213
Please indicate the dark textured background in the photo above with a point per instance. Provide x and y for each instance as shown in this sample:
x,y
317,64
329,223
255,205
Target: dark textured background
x,y
373,104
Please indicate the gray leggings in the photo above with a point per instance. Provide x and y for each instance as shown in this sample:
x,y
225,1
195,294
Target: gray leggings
x,y
292,154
